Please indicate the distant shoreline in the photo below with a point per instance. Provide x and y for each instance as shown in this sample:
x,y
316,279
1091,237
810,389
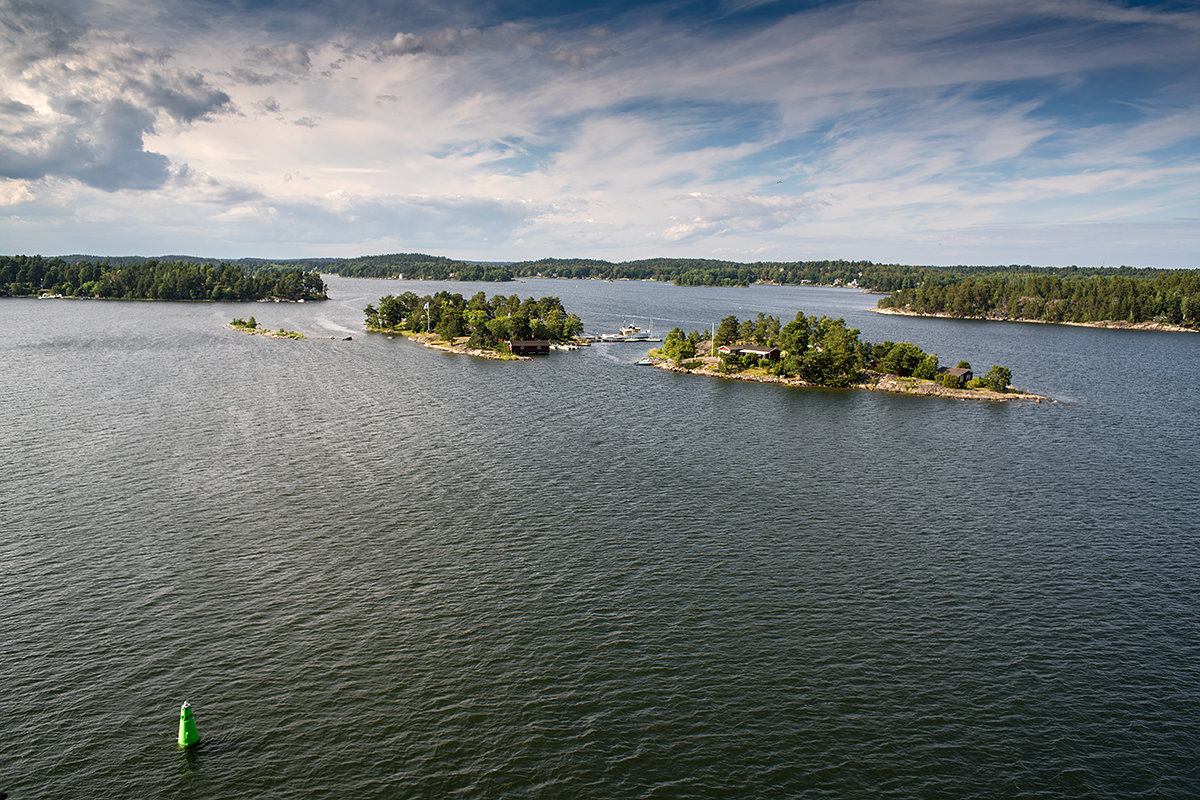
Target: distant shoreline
x,y
875,382
1109,324
45,296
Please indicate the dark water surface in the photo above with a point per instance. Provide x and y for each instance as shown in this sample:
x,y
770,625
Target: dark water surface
x,y
380,571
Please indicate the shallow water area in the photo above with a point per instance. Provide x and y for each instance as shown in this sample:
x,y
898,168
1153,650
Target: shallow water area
x,y
377,570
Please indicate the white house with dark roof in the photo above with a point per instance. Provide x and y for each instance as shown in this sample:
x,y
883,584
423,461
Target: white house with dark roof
x,y
762,351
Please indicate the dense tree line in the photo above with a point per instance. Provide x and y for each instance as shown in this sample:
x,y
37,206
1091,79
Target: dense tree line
x,y
26,276
1171,296
819,350
710,272
418,266
411,265
485,322
1016,291
895,278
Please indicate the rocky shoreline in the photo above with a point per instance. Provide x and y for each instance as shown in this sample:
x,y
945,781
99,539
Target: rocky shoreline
x,y
873,381
279,334
435,342
1109,323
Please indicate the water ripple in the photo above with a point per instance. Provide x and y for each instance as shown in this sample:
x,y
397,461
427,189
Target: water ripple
x,y
381,572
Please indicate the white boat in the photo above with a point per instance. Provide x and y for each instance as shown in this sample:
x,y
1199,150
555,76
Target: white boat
x,y
628,333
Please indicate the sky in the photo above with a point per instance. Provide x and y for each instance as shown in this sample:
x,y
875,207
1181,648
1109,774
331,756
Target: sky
x,y
1045,132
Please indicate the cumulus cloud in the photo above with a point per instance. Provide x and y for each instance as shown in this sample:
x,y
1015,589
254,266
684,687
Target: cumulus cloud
x,y
181,96
12,110
86,100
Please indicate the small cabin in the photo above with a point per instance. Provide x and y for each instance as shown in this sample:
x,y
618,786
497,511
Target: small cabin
x,y
529,347
962,374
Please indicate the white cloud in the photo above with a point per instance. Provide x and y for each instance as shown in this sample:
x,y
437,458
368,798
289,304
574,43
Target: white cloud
x,y
902,119
446,42
583,56
289,57
14,192
84,101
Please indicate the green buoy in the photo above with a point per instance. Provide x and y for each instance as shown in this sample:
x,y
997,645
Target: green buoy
x,y
188,735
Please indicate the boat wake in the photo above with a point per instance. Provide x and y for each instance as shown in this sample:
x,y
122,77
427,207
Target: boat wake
x,y
330,325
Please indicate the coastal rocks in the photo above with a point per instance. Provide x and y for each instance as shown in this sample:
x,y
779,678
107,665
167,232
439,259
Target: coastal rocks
x,y
896,385
274,334
434,342
873,381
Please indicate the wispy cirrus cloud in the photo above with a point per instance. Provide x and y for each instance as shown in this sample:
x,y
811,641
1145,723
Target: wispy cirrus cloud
x,y
447,42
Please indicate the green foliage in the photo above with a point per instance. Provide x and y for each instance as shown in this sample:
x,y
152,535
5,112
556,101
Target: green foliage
x,y
151,279
713,272
832,357
881,349
727,331
793,337
729,364
485,322
451,325
963,365
1054,294
822,351
1058,295
950,381
411,265
927,369
677,346
766,329
902,359
998,378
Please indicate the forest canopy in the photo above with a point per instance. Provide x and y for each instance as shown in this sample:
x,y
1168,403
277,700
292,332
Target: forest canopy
x,y
1050,294
31,276
1164,296
818,350
484,322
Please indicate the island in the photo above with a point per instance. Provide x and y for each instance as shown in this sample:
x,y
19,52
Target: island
x,y
251,326
501,327
812,351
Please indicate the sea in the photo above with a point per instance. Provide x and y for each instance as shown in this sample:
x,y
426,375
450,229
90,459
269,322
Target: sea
x,y
376,570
